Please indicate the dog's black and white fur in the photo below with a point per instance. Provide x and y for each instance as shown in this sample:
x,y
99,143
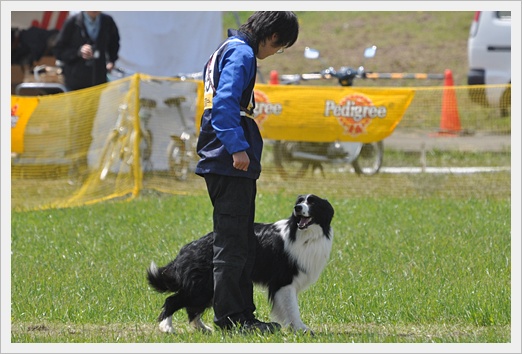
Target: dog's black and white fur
x,y
291,255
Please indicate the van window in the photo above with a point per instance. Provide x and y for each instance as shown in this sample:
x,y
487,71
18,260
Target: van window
x,y
504,15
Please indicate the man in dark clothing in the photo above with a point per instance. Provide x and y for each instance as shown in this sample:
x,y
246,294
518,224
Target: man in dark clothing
x,y
87,47
230,147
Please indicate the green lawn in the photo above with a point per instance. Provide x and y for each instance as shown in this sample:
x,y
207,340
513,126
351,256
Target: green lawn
x,y
402,270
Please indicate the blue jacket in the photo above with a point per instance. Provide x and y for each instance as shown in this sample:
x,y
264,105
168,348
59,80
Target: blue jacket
x,y
227,123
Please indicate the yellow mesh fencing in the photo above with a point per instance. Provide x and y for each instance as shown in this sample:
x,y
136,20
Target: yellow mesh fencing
x,y
138,134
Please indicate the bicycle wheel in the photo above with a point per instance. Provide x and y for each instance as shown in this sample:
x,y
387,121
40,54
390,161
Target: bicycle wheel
x,y
110,153
286,165
178,164
369,160
146,150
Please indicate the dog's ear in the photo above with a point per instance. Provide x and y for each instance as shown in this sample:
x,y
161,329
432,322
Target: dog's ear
x,y
300,197
330,207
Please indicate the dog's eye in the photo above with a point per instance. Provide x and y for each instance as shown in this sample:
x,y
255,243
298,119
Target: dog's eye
x,y
311,200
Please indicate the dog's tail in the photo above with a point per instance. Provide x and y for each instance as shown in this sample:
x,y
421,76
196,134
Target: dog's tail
x,y
158,280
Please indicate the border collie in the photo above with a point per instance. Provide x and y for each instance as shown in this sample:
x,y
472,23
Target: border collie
x,y
291,255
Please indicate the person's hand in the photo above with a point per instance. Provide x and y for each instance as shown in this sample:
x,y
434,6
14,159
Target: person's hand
x,y
110,66
241,160
86,51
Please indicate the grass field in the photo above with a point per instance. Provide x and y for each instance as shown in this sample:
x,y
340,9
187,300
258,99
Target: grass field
x,y
402,270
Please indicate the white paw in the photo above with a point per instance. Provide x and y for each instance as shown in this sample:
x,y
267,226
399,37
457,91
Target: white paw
x,y
166,325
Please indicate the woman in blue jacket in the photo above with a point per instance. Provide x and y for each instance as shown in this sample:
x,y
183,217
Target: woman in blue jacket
x,y
230,147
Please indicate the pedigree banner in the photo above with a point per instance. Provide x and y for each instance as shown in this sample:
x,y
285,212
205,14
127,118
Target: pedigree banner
x,y
324,114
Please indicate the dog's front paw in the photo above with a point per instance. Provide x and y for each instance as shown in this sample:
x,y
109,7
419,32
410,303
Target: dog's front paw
x,y
166,326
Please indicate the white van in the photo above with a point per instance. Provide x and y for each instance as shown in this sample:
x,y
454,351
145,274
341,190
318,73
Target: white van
x,y
489,58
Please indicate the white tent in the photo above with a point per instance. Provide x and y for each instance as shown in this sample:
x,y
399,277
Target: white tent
x,y
167,43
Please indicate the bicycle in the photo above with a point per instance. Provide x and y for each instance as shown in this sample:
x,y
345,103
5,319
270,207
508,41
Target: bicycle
x,y
181,151
145,113
118,150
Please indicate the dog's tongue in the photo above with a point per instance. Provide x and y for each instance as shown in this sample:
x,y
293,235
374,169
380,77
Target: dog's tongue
x,y
303,222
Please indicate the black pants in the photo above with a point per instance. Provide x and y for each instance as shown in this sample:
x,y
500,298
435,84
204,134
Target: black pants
x,y
233,199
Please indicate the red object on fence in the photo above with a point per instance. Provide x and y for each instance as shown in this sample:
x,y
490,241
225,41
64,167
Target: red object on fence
x,y
449,119
274,77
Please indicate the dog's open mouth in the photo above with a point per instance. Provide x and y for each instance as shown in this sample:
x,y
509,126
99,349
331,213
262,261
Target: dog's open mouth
x,y
304,222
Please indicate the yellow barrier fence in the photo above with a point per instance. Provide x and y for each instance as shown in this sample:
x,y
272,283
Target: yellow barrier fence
x,y
138,134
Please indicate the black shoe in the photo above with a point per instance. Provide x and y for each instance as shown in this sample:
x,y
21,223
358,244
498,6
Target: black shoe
x,y
250,325
256,325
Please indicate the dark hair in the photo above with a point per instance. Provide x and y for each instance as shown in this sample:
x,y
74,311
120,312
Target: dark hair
x,y
263,24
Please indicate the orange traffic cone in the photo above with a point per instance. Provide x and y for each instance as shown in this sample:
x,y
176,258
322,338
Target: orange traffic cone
x,y
449,119
274,77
